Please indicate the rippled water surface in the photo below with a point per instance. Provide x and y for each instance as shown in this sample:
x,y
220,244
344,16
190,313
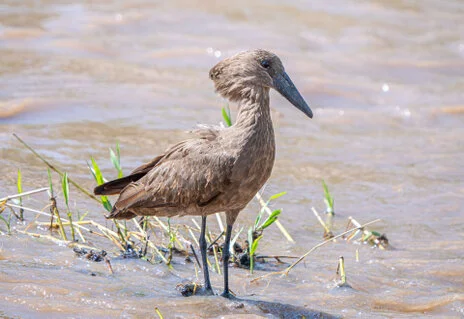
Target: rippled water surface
x,y
386,81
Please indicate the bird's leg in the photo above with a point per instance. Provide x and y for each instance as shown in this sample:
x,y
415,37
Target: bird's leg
x,y
202,242
225,262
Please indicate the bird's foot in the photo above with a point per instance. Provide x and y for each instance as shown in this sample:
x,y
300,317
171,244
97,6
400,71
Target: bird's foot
x,y
227,294
191,288
205,291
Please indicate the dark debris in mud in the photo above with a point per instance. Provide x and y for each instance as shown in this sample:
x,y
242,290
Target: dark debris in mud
x,y
188,289
131,253
90,254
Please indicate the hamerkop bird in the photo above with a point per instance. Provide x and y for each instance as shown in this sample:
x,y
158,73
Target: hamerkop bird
x,y
222,169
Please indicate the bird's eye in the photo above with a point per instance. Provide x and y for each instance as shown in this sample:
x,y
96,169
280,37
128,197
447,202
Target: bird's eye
x,y
265,64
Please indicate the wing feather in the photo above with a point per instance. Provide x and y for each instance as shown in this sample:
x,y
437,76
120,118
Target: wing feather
x,y
116,186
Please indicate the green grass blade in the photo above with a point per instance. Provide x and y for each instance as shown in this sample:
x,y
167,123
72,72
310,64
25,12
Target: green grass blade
x,y
116,159
328,199
271,219
250,238
93,172
19,185
226,116
81,217
269,212
65,186
118,153
275,196
97,175
96,172
254,246
20,190
258,218
50,184
106,204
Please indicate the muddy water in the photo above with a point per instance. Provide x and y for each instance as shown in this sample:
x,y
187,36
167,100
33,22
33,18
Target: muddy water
x,y
386,81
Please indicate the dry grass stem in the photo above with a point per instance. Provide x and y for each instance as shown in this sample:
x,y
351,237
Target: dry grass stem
x,y
108,264
67,243
34,191
326,229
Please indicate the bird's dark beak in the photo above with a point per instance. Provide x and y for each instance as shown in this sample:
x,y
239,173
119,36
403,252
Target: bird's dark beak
x,y
284,85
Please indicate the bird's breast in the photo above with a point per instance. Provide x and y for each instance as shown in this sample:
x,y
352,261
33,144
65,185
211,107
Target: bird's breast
x,y
253,166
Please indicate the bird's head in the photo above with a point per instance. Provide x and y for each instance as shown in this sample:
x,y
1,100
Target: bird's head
x,y
240,76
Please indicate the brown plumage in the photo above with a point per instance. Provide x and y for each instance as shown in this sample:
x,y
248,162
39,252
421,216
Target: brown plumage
x,y
221,169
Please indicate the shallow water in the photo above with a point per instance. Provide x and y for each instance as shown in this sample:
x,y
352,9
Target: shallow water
x,y
386,82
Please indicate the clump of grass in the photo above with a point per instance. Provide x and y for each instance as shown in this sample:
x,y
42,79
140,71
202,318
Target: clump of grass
x,y
328,199
7,220
341,272
98,176
330,212
279,225
53,209
327,231
370,237
125,238
65,186
255,232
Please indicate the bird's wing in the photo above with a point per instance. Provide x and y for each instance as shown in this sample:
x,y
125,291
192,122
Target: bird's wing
x,y
195,171
205,132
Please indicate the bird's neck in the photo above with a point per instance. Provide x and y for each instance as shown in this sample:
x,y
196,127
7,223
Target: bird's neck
x,y
254,112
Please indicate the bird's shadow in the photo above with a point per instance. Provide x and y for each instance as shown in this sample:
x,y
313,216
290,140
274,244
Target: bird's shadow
x,y
285,311
276,309
239,305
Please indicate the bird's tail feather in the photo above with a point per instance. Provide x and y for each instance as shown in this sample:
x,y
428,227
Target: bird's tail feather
x,y
116,186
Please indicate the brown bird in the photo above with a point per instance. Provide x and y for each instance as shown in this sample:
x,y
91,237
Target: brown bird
x,y
221,170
